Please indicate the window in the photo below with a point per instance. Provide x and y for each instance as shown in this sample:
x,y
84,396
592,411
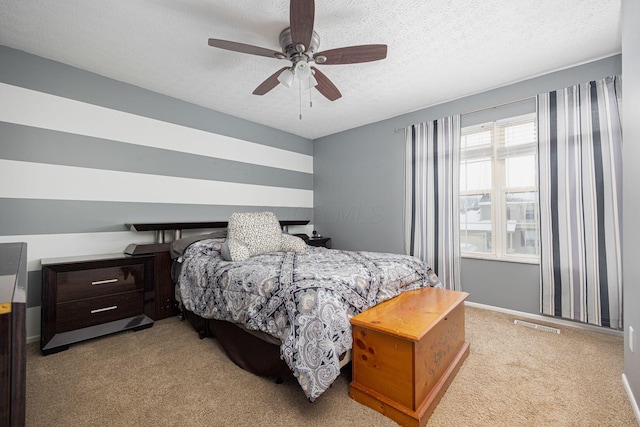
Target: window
x,y
498,190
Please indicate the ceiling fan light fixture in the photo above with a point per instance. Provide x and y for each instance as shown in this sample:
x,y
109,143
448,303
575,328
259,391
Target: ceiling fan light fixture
x,y
302,70
308,83
286,78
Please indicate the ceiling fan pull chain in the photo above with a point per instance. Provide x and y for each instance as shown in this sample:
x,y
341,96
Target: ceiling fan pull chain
x,y
300,96
310,87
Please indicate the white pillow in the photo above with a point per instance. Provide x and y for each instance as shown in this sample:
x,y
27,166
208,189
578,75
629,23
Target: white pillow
x,y
253,233
292,243
235,251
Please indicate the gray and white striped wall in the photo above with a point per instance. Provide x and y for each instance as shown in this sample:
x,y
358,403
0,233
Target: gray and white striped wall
x,y
82,155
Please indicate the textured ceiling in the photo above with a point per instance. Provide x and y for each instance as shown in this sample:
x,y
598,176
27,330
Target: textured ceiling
x,y
438,50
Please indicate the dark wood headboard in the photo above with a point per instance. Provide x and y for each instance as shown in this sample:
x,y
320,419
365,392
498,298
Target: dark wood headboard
x,y
161,228
172,226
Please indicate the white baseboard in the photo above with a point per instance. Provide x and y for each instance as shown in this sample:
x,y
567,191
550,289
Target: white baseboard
x,y
548,319
33,324
632,399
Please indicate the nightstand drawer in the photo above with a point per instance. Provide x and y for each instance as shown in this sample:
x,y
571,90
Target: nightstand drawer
x,y
75,285
94,311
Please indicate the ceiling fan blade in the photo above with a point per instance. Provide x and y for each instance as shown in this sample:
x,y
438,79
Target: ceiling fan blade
x,y
301,16
353,54
270,83
245,48
325,86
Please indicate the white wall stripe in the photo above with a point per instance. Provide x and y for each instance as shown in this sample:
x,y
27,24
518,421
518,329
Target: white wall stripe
x,y
32,108
44,181
75,244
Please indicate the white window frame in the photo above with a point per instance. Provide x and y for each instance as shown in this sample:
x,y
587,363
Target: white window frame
x,y
499,237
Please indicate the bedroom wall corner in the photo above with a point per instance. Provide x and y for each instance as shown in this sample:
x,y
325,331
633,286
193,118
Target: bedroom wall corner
x,y
631,196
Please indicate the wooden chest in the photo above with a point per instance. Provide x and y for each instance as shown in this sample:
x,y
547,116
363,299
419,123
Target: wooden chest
x,y
406,352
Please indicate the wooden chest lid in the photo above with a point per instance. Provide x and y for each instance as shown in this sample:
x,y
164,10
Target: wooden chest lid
x,y
411,314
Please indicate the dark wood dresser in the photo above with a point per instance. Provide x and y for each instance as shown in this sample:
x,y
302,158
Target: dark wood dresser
x,y
87,297
13,333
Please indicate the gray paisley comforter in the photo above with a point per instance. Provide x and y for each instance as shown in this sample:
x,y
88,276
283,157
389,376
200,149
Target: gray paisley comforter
x,y
304,300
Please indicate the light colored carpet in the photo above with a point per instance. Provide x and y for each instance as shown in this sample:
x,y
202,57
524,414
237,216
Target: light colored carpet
x,y
166,376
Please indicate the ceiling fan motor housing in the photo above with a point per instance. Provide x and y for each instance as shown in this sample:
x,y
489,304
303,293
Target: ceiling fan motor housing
x,y
291,50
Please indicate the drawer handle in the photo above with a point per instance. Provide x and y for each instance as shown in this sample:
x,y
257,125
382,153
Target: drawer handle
x,y
100,310
104,282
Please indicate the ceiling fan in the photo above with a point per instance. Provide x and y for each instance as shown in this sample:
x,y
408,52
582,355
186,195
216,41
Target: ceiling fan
x,y
299,43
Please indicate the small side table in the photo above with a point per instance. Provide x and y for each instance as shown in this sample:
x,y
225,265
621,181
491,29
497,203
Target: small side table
x,y
165,302
320,241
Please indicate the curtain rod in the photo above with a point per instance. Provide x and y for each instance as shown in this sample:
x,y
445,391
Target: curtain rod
x,y
487,108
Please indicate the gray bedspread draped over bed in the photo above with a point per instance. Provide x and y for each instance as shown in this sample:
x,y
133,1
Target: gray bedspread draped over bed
x,y
304,300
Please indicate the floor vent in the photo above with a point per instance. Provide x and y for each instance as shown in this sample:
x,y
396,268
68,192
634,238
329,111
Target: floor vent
x,y
536,326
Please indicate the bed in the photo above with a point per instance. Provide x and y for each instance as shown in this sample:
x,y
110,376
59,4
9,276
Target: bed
x,y
287,312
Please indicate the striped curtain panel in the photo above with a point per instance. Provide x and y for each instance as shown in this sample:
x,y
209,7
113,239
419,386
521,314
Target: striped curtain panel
x,y
432,217
580,152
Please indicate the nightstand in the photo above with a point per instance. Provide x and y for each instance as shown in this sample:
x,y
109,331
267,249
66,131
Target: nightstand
x,y
88,297
165,302
320,241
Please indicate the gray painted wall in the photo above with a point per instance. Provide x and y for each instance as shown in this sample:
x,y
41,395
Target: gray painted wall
x,y
631,196
511,285
358,191
90,217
